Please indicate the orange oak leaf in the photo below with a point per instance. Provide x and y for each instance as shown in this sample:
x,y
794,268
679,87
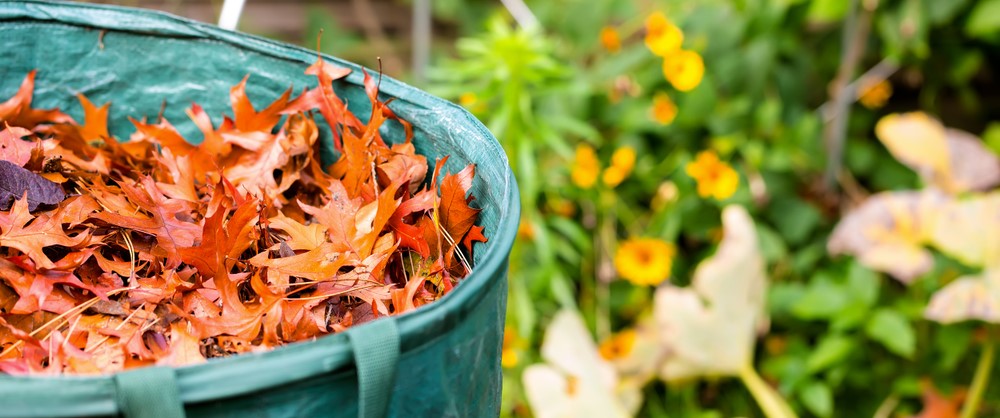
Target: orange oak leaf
x,y
299,236
95,120
337,215
456,216
31,235
937,405
222,239
151,212
13,148
17,110
185,349
333,109
170,253
246,119
409,234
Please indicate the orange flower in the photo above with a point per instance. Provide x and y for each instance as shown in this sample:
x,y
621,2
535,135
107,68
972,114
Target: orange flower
x,y
715,178
610,39
684,69
874,96
471,102
619,345
525,231
586,168
664,109
662,37
467,99
622,162
644,261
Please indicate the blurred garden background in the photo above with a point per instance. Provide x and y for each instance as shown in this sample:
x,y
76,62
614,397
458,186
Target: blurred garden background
x,y
756,208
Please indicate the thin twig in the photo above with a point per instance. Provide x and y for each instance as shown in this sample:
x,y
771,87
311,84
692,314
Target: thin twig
x,y
852,188
855,37
880,72
521,13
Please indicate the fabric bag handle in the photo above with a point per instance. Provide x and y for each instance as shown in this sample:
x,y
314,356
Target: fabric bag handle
x,y
148,392
376,354
151,392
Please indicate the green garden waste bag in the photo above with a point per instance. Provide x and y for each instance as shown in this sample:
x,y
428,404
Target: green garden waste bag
x,y
442,360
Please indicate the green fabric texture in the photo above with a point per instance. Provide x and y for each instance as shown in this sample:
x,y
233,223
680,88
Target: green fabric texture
x,y
376,353
148,393
449,351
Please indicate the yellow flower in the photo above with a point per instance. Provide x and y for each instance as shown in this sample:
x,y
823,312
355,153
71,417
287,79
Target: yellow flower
x,y
610,39
525,231
684,69
585,167
644,261
715,178
874,96
508,355
468,99
662,37
664,109
619,345
624,158
622,162
613,176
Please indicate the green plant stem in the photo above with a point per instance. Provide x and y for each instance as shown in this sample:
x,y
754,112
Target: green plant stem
x,y
605,268
979,381
773,405
886,407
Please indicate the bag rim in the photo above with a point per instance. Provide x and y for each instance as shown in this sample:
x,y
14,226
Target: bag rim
x,y
197,383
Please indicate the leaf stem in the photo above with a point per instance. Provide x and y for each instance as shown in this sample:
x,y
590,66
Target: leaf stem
x,y
773,405
980,380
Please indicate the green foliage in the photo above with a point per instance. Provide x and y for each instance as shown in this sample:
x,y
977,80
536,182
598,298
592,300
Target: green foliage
x,y
893,330
842,338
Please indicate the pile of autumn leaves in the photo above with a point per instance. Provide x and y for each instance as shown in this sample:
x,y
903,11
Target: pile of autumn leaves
x,y
116,255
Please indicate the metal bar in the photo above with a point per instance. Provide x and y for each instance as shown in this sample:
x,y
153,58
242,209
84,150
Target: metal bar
x,y
421,40
230,15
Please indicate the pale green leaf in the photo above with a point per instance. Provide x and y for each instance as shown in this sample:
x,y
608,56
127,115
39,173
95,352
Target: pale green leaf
x,y
831,350
984,20
823,299
892,330
818,398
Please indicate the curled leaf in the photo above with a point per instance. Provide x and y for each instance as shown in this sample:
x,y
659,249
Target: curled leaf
x,y
974,167
576,382
16,181
950,159
888,231
709,329
967,298
969,230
